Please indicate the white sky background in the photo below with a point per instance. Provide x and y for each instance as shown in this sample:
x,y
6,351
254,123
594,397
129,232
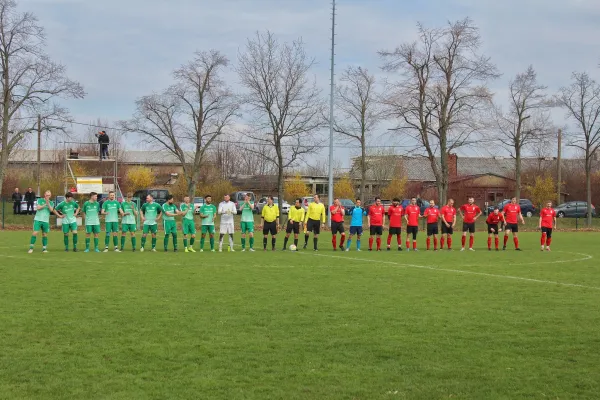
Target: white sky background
x,y
121,50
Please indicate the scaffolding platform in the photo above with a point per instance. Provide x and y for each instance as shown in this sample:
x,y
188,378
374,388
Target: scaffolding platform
x,y
91,153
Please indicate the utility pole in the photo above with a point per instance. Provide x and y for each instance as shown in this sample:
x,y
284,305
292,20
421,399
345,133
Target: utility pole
x,y
331,100
558,167
39,154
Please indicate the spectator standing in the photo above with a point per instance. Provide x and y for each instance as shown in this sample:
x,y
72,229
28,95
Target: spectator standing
x,y
16,198
30,199
104,141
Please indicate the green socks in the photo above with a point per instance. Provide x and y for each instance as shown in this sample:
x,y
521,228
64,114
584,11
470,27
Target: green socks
x,y
166,241
106,240
66,241
44,241
185,243
212,243
153,242
143,241
175,241
133,242
252,242
87,243
75,240
192,240
115,241
122,242
202,242
243,243
96,240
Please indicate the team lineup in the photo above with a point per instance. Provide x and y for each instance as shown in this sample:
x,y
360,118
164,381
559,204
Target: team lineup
x,y
308,221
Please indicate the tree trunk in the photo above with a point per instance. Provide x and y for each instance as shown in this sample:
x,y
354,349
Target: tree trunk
x,y
588,187
279,176
443,184
363,170
3,166
518,172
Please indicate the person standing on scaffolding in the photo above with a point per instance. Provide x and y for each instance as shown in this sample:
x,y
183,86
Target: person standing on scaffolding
x,y
103,140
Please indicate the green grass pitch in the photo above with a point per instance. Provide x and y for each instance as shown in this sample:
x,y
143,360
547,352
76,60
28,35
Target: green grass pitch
x,y
327,325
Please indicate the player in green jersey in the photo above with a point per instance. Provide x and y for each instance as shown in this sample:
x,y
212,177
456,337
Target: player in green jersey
x,y
170,211
68,211
41,222
151,214
188,224
247,222
91,209
128,222
208,213
112,209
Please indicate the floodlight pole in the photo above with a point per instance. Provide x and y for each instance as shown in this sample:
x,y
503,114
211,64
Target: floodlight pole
x,y
331,99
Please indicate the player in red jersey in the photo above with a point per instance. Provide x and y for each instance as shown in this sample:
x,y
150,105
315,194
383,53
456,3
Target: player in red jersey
x,y
493,222
412,213
469,213
337,224
395,215
376,220
512,214
448,213
547,223
432,213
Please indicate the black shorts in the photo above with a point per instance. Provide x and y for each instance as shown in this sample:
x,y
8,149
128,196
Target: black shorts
x,y
547,231
356,230
376,230
313,226
447,230
512,227
494,227
293,227
270,227
395,231
432,229
412,230
337,227
469,227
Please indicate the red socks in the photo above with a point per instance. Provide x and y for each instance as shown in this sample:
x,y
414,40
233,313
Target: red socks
x,y
497,242
435,243
428,242
370,243
414,244
516,240
463,241
399,240
548,241
334,241
342,239
442,243
489,243
449,242
407,243
378,243
389,240
543,241
505,240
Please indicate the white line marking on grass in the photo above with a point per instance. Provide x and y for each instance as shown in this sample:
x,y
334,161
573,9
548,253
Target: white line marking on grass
x,y
459,271
584,258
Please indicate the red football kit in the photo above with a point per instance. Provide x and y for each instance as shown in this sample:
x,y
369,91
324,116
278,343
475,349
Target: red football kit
x,y
448,213
494,219
395,214
470,211
413,214
511,213
376,214
432,215
548,215
338,216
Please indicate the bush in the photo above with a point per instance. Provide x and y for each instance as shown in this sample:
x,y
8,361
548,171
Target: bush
x,y
344,188
295,188
138,178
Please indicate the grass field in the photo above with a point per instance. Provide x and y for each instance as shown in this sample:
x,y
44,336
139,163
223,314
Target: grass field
x,y
500,325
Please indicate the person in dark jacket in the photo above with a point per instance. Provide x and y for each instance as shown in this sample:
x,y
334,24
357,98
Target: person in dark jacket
x,y
30,199
103,140
16,198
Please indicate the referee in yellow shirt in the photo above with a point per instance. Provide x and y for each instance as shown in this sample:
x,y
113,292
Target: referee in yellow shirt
x,y
270,219
315,218
295,218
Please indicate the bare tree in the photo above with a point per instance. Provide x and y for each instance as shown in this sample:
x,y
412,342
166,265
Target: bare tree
x,y
581,99
284,103
30,81
443,94
188,117
526,121
359,111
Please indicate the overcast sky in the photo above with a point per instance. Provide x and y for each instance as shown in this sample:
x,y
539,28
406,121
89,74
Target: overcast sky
x,y
121,50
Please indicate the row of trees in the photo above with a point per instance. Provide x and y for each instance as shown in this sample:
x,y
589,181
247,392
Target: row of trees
x,y
437,92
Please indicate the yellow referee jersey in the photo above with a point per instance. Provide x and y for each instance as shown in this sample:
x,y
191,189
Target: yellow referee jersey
x,y
296,214
270,213
316,211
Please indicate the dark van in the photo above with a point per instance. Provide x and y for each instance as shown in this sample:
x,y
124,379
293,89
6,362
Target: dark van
x,y
238,199
159,195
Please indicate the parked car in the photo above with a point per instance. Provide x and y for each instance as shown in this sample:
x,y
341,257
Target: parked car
x,y
24,205
422,206
527,207
573,209
198,202
285,207
160,195
348,205
238,199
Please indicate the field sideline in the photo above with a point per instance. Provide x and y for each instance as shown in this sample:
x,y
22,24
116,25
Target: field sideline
x,y
326,325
